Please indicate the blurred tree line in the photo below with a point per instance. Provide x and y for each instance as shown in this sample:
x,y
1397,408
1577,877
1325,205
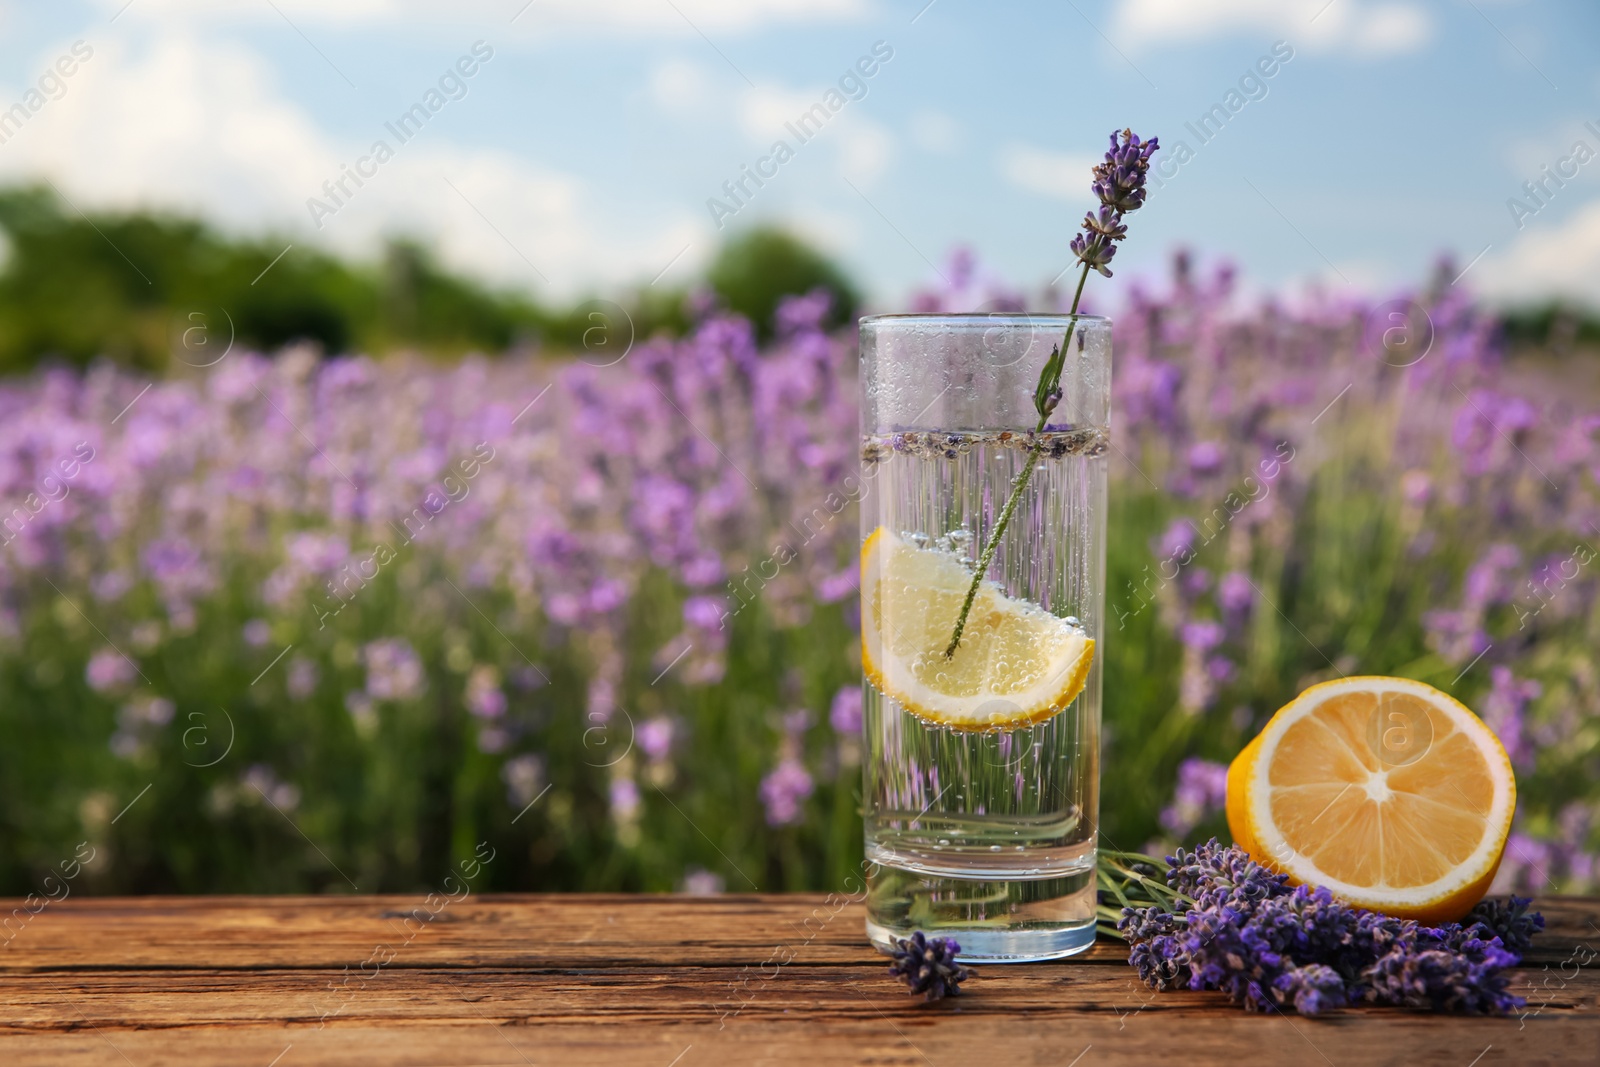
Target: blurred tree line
x,y
127,285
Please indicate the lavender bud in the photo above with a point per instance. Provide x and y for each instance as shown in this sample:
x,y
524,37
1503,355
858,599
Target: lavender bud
x,y
1108,223
928,965
1095,251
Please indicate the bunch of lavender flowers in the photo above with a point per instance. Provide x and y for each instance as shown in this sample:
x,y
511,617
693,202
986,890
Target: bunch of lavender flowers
x,y
1222,921
1119,183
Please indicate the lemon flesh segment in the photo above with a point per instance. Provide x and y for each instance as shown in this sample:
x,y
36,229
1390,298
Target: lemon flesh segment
x,y
1385,790
1016,664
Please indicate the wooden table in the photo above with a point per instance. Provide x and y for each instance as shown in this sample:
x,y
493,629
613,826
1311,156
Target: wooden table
x,y
664,982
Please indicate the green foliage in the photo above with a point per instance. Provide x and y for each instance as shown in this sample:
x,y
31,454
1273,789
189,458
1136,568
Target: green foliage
x,y
134,286
1553,323
757,269
145,289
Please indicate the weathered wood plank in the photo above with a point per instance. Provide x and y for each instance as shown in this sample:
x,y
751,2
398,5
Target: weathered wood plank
x,y
892,1038
645,980
505,930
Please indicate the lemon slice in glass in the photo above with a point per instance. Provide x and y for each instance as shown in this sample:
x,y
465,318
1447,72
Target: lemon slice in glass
x,y
1016,664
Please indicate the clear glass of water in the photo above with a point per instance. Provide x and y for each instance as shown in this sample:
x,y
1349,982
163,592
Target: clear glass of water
x,y
987,836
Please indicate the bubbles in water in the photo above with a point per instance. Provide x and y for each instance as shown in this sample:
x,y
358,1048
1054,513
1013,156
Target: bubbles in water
x,y
958,543
1011,787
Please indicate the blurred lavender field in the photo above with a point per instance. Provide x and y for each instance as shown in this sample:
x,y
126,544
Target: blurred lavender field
x,y
294,624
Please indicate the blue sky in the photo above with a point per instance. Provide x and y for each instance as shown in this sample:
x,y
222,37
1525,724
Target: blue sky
x,y
584,152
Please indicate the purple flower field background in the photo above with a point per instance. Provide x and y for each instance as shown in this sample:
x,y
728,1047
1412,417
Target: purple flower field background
x,y
300,624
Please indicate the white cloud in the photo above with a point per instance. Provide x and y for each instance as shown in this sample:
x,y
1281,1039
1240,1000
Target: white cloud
x,y
1055,174
764,110
1363,28
1547,259
834,233
199,127
934,131
680,87
495,16
865,149
186,124
1392,28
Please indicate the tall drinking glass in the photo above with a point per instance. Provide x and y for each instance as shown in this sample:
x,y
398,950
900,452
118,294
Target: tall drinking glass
x,y
980,814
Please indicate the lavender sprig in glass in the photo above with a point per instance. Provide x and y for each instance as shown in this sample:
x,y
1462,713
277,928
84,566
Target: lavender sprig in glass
x,y
1119,183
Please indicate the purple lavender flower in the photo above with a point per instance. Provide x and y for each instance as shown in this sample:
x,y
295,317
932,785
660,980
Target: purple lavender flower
x,y
1504,712
699,882
1416,488
302,680
1243,930
317,553
1509,920
111,586
260,780
1205,458
1202,635
1488,581
927,965
484,697
655,738
1194,584
1235,596
158,711
796,314
836,587
393,670
704,612
1201,790
1528,863
1107,223
1458,636
845,714
1094,251
1119,182
524,777
1178,541
109,670
624,798
702,571
362,711
784,790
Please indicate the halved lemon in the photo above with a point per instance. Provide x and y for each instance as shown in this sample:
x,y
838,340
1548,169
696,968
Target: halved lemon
x,y
1385,790
1016,664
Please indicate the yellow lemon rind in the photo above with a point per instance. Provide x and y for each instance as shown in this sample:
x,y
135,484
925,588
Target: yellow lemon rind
x,y
1448,898
1027,713
1025,716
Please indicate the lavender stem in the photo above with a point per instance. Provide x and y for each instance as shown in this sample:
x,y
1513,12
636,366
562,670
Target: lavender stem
x,y
1049,380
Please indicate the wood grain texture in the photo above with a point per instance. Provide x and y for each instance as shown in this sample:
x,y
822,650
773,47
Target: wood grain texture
x,y
665,982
